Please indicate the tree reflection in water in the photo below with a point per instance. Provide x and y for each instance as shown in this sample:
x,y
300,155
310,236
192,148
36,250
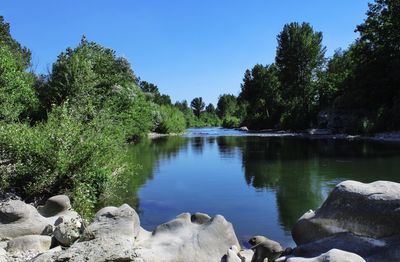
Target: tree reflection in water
x,y
298,172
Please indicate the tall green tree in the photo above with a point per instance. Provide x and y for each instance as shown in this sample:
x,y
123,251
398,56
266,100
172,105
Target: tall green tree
x,y
151,90
182,106
299,58
17,95
261,97
210,108
88,74
197,105
374,85
227,105
22,55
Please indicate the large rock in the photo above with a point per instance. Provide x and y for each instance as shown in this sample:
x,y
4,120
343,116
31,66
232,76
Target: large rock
x,y
334,255
58,206
265,248
33,243
370,210
362,246
19,219
188,238
55,205
67,232
109,238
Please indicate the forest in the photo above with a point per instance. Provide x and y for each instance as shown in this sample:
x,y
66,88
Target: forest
x,y
68,131
360,85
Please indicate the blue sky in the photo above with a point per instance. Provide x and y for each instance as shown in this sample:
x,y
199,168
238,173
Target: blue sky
x,y
188,48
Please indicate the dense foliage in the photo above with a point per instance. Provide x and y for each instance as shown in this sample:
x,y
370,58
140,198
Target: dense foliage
x,y
67,132
358,88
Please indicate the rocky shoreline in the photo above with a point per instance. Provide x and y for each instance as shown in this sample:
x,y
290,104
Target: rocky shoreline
x,y
357,222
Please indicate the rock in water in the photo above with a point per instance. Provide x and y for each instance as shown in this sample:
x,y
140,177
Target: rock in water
x,y
370,210
265,248
334,255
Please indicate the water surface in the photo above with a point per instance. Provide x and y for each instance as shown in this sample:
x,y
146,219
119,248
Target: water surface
x,y
262,184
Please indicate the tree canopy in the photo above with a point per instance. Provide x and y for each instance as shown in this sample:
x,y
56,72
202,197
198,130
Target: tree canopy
x,y
197,105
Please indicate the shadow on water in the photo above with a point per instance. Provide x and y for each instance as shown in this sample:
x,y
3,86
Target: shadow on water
x,y
143,159
261,184
303,171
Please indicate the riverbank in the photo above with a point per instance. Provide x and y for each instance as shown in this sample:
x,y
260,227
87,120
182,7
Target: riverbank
x,y
153,135
357,222
393,136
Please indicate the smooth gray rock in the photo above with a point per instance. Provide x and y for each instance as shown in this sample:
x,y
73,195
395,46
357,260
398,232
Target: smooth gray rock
x,y
370,210
55,205
362,246
183,240
109,238
232,255
121,221
33,242
265,248
333,255
19,219
236,255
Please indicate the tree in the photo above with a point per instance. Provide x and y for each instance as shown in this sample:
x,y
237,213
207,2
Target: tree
x,y
226,106
299,58
22,55
371,86
261,97
210,108
182,106
88,73
333,80
197,105
17,96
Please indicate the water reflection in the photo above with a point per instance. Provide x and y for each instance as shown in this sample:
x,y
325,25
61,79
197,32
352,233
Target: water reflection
x,y
142,160
197,144
263,188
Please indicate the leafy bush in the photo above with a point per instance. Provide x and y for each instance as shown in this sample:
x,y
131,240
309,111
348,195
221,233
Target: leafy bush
x,y
63,155
231,122
90,107
17,96
170,120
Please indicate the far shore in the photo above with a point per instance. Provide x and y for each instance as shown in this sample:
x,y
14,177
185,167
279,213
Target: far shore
x,y
393,136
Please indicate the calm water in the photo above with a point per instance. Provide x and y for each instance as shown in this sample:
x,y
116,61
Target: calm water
x,y
260,184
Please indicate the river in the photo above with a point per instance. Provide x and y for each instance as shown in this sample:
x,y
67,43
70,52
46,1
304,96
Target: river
x,y
262,184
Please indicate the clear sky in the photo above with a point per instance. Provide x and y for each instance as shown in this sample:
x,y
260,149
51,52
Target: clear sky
x,y
188,48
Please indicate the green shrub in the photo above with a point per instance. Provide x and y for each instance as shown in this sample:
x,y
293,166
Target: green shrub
x,y
169,120
17,96
231,122
63,155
